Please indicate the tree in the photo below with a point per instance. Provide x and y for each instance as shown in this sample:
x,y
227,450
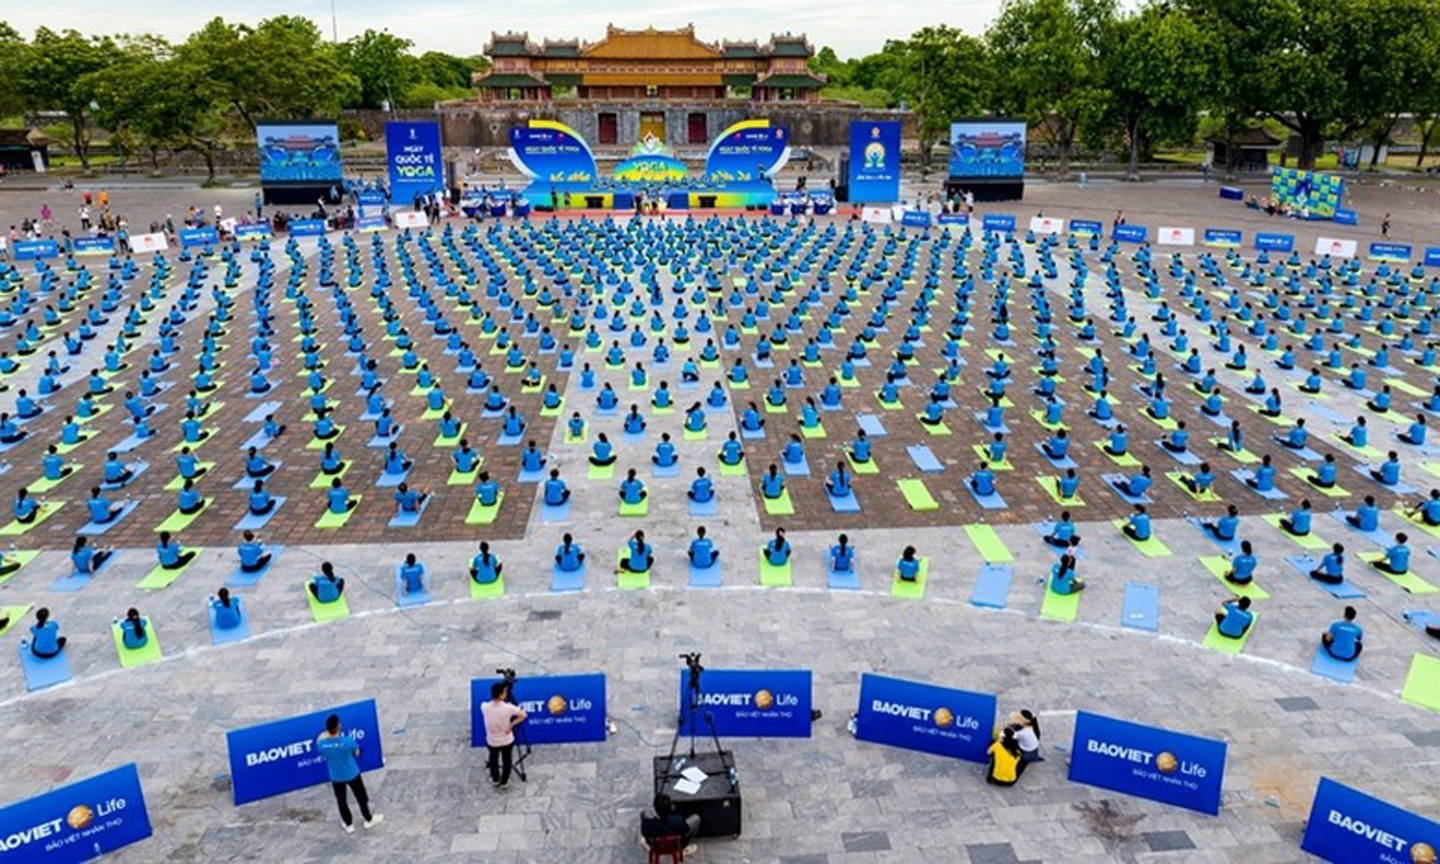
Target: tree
x,y
1046,54
943,74
379,62
1155,64
55,75
12,54
123,92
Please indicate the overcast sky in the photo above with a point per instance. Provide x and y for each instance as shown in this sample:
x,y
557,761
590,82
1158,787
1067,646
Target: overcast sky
x,y
852,27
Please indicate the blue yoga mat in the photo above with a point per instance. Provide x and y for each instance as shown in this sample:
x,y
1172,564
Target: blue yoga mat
x,y
872,425
753,434
1184,457
509,440
555,512
224,636
1231,546
1244,474
795,469
992,587
980,416
259,412
924,459
662,471
136,469
704,508
251,522
240,579
1112,479
1421,618
847,504
1343,591
1140,607
1067,462
1398,488
1328,667
561,581
247,482
705,577
404,600
392,480
846,581
258,441
1378,537
90,529
410,520
993,501
1320,410
39,673
531,476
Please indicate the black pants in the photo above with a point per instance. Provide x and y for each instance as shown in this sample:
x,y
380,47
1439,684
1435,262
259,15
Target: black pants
x,y
358,787
500,763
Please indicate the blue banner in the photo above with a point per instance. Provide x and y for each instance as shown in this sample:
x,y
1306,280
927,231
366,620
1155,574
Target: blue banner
x,y
307,227
1432,256
1130,233
1390,251
915,218
78,822
552,154
374,222
747,153
916,716
93,245
1275,242
998,222
281,756
561,708
412,153
1224,237
34,250
874,161
750,703
1148,762
1344,216
987,148
198,237
1085,227
1350,826
252,230
298,152
953,219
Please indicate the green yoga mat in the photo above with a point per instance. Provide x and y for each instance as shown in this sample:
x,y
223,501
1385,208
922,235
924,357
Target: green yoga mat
x,y
983,453
1152,548
1125,461
862,467
1219,565
1403,513
322,480
20,558
736,470
435,413
626,579
636,510
1304,473
453,440
1052,486
1366,452
911,590
178,521
1243,456
1409,581
1226,645
1405,387
1061,607
458,479
15,529
1308,541
177,483
916,495
132,657
43,485
332,611
812,432
773,576
781,506
488,590
159,577
338,520
1422,683
13,615
695,434
989,544
938,429
481,515
600,472
1178,478
319,443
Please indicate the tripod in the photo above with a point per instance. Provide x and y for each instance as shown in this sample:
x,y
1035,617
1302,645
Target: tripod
x,y
692,660
522,741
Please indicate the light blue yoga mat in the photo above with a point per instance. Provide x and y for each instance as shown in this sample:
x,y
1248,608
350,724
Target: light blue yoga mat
x,y
1140,607
993,501
90,529
846,504
1112,479
992,587
531,476
872,425
924,459
1243,475
406,600
251,522
390,481
43,673
704,508
552,513
136,469
1378,537
562,581
1342,591
1328,667
842,581
240,579
665,471
1067,462
705,577
225,636
1231,546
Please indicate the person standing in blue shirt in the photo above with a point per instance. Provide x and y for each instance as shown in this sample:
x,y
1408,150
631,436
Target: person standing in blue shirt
x,y
340,752
1344,639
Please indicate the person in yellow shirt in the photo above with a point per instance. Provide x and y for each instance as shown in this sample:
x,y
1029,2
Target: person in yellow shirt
x,y
1004,760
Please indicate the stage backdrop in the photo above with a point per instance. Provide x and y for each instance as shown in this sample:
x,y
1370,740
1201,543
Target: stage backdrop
x,y
751,151
552,154
874,162
987,148
412,153
298,152
1313,193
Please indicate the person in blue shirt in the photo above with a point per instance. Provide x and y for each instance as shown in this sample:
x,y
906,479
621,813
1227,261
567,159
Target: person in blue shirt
x,y
908,567
632,489
1137,484
45,638
485,567
983,480
1296,438
25,508
1415,434
556,492
603,452
412,575
272,429
640,556
340,752
1397,557
1234,617
54,464
1366,517
839,484
88,559
1388,474
338,497
253,557
189,500
1359,434
569,557
1263,478
702,552
731,453
133,632
1226,527
407,500
1427,510
101,510
1242,566
1199,482
842,555
1062,531
1332,567
172,555
117,473
1298,522
1067,485
860,448
772,483
664,455
395,461
633,424
1119,443
1344,640
325,586
228,613
1063,577
1138,526
777,549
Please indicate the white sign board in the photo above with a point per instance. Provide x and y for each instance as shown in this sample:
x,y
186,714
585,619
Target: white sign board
x,y
1334,247
149,242
1175,236
410,219
876,214
1046,225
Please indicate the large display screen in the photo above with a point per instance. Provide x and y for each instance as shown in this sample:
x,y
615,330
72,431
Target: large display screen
x,y
987,148
298,152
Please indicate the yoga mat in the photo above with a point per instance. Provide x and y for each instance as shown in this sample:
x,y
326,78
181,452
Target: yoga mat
x,y
917,495
921,455
323,612
177,521
90,529
41,673
939,430
225,636
1231,546
338,520
665,471
1421,619
1151,548
1140,607
704,508
795,469
1219,565
1304,541
813,432
627,580
1184,457
862,467
774,576
43,485
453,440
1342,591
705,577
842,581
1207,497
509,440
1127,460
177,482
600,472
1409,581
251,522
20,558
988,544
47,509
1244,476
1113,479
911,590
753,434
1422,682
872,425
132,657
563,581
410,520
15,614
1401,511
531,476
642,507
842,504
736,470
404,600
481,515
390,481
319,443
1378,537
486,590
993,501
1051,485
992,587
240,579
781,506
458,479
322,480
259,412
1243,456
552,513
1327,666
1003,465
159,577
1061,607
1225,644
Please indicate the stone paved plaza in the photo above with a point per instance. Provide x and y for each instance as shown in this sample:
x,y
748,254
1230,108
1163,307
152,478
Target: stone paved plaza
x,y
827,798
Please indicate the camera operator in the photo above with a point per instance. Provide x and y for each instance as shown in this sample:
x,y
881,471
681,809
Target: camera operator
x,y
501,717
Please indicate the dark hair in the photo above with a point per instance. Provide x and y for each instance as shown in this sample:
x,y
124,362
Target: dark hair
x,y
497,690
332,724
663,806
133,615
1032,718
